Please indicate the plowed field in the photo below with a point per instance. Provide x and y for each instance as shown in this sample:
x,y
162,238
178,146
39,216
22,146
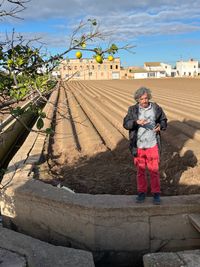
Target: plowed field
x,y
89,151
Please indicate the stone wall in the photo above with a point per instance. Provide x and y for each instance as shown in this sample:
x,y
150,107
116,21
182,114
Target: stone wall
x,y
100,222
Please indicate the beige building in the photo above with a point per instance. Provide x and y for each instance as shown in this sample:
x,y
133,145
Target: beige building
x,y
89,69
134,73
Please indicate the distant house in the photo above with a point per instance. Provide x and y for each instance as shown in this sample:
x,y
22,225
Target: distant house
x,y
128,72
155,69
125,74
150,70
187,68
140,73
168,69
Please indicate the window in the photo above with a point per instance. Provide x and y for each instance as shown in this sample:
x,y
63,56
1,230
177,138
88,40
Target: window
x,y
111,67
116,67
90,73
151,74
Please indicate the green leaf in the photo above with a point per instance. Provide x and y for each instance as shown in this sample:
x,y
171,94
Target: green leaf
x,y
49,131
20,61
17,111
112,49
40,123
42,115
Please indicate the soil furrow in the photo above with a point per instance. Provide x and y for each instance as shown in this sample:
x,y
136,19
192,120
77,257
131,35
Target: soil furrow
x,y
112,117
65,144
186,129
89,139
107,100
110,135
185,104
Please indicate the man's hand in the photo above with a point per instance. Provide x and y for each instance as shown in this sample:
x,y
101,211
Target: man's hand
x,y
142,122
157,128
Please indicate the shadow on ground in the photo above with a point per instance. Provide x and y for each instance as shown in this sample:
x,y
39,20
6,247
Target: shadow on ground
x,y
112,172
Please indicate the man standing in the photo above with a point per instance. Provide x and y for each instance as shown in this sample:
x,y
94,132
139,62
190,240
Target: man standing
x,y
144,121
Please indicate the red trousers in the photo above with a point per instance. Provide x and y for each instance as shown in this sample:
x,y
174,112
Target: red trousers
x,y
147,158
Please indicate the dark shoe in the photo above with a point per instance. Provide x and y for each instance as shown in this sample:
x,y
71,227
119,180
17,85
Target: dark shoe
x,y
140,197
156,199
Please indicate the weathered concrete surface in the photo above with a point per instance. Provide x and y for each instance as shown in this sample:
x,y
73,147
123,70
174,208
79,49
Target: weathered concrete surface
x,y
195,220
36,253
190,258
97,222
11,259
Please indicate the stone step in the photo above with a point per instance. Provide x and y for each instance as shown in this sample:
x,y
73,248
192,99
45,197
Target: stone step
x,y
19,250
195,220
187,258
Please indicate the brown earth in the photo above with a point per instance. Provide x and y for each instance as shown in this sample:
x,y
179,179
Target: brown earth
x,y
89,151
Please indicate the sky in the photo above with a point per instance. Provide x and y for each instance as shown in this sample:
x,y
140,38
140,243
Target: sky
x,y
161,31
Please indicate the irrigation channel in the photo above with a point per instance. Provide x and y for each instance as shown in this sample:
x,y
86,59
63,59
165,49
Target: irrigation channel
x,y
13,133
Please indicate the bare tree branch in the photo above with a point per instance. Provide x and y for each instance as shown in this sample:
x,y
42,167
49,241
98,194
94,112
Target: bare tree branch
x,y
18,7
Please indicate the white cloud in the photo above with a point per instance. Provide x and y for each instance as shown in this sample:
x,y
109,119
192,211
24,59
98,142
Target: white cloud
x,y
124,19
51,8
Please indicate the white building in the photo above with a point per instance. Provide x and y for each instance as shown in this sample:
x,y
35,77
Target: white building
x,y
167,68
140,73
155,69
187,68
150,70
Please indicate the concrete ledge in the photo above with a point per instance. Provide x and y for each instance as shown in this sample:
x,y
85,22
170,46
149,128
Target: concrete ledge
x,y
21,251
190,258
98,222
